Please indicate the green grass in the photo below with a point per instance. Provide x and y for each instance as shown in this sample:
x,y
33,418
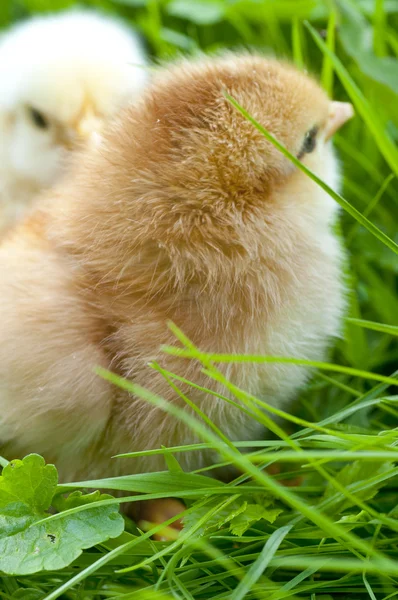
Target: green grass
x,y
336,535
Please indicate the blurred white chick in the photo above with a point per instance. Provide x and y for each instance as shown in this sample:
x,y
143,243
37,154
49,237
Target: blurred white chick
x,y
60,76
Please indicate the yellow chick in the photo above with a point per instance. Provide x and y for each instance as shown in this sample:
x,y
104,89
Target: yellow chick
x,y
60,77
185,213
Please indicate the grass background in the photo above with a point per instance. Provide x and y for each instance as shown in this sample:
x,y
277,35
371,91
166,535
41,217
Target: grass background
x,y
337,534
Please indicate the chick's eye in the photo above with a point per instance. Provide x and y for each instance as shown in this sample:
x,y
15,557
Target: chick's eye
x,y
309,143
38,118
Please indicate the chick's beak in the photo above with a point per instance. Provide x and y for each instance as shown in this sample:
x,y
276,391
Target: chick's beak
x,y
339,113
88,129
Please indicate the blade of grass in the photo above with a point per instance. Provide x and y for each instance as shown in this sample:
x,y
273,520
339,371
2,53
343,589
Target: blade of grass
x,y
379,29
105,559
206,360
361,402
183,537
297,44
327,66
244,358
298,451
331,529
260,564
374,202
390,329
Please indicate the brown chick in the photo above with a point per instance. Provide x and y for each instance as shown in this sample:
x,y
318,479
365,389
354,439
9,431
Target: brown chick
x,y
184,213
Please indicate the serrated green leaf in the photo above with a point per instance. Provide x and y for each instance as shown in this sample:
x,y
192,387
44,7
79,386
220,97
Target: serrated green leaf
x,y
238,516
233,514
214,522
361,516
356,473
252,514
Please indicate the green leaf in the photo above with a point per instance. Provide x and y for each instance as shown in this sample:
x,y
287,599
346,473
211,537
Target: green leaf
x,y
15,517
239,516
252,514
351,476
297,43
218,519
31,540
30,481
199,12
356,518
51,545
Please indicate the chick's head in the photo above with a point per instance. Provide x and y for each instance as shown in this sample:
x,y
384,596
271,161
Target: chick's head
x,y
204,173
60,77
184,182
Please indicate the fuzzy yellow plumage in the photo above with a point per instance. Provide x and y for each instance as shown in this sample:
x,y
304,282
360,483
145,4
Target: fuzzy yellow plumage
x,y
185,213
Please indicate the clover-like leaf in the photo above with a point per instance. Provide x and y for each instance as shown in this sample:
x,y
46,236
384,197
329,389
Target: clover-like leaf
x,y
31,539
30,481
54,544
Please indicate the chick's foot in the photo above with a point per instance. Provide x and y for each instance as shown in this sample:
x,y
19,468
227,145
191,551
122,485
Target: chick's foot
x,y
149,513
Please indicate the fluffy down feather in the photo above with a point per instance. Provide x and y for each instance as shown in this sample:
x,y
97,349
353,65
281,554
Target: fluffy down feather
x,y
185,213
